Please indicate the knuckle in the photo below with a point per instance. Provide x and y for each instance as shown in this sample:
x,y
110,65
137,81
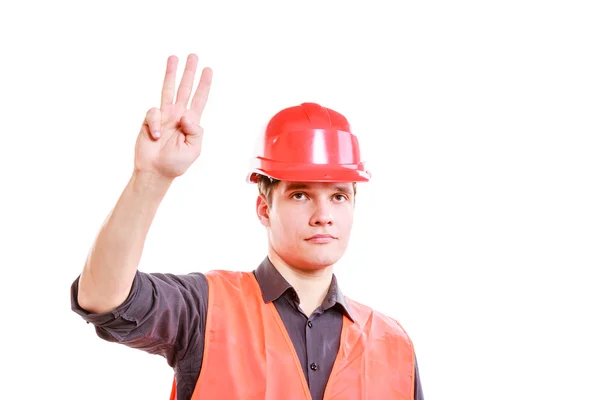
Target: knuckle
x,y
153,114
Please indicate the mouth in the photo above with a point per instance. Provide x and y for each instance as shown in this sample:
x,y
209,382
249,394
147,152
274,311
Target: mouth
x,y
322,238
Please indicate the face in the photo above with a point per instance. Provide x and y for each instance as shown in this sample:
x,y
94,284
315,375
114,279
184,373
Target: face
x,y
308,224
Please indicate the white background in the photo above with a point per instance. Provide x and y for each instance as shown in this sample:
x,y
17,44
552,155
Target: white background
x,y
479,231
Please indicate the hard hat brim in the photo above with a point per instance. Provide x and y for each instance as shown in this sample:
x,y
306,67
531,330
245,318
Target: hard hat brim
x,y
312,173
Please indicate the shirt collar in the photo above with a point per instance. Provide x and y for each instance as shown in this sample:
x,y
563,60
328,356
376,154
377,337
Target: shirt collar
x,y
273,285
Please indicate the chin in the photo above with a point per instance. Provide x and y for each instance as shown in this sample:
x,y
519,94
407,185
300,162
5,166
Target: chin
x,y
310,257
318,259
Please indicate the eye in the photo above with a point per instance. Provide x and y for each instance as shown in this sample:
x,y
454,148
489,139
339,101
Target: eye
x,y
299,196
340,197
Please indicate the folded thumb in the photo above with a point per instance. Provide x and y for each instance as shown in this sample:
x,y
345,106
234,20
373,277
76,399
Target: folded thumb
x,y
193,132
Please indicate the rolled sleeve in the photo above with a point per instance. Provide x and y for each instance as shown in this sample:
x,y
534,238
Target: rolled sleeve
x,y
124,318
162,314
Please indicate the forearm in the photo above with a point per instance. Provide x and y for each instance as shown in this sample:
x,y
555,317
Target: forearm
x,y
113,260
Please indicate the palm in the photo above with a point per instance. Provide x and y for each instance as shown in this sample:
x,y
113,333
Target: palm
x,y
180,142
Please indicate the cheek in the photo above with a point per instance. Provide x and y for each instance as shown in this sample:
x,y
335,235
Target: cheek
x,y
345,220
288,224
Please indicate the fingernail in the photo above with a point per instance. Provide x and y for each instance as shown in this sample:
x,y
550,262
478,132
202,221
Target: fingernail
x,y
157,134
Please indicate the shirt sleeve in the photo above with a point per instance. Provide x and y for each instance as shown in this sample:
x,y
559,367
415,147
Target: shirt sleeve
x,y
418,387
164,314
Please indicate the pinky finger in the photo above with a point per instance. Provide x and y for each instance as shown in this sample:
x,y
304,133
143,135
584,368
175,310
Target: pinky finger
x,y
153,122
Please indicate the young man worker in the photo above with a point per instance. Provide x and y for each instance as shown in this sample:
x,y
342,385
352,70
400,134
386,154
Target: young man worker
x,y
282,332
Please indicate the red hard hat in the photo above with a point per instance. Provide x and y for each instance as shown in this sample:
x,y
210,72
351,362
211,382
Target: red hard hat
x,y
309,143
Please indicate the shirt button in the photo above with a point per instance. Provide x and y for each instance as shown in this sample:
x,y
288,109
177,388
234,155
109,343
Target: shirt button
x,y
313,366
309,324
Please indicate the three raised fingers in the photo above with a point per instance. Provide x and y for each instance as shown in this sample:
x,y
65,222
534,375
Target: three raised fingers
x,y
185,86
183,93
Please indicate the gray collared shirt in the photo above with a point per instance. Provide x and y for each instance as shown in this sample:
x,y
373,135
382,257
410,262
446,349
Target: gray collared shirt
x,y
178,304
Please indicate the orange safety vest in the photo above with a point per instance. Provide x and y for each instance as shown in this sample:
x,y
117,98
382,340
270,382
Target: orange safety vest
x,y
248,354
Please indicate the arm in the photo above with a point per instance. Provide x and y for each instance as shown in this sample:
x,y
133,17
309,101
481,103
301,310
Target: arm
x,y
108,274
168,143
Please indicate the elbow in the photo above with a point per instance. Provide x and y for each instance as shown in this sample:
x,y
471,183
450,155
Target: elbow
x,y
96,305
96,301
90,303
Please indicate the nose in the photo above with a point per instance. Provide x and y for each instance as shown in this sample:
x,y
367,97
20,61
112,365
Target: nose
x,y
321,216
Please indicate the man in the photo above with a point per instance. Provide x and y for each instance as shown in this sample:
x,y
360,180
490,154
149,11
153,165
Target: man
x,y
283,331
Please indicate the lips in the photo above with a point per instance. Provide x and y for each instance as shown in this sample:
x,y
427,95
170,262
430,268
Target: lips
x,y
321,238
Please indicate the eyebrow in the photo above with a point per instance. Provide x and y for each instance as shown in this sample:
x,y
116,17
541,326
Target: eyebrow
x,y
302,186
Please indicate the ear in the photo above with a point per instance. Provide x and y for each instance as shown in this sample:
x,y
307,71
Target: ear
x,y
262,210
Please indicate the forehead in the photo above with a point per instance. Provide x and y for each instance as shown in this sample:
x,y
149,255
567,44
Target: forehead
x,y
287,186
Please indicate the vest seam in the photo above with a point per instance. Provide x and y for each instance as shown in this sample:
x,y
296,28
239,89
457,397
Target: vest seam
x,y
209,318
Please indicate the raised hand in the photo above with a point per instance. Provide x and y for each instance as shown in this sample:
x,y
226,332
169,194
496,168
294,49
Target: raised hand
x,y
170,138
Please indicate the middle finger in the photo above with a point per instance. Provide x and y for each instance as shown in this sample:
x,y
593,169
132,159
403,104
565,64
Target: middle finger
x,y
187,80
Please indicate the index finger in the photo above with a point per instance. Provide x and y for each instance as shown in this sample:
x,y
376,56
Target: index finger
x,y
201,95
168,89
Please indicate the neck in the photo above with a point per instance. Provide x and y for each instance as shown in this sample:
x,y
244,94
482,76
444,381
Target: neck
x,y
311,285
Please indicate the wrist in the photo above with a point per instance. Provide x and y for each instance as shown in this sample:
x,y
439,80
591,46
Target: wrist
x,y
151,182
